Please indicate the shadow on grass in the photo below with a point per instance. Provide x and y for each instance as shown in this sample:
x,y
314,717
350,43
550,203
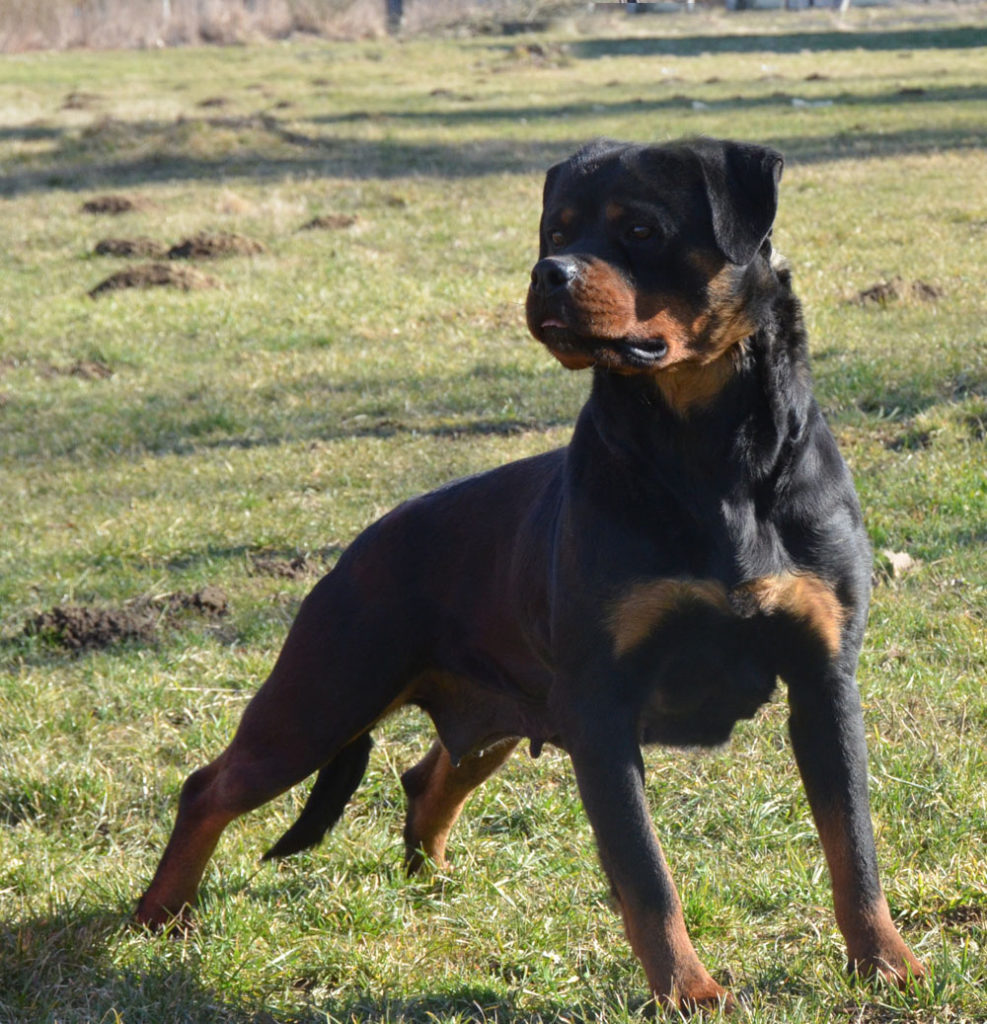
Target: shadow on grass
x,y
906,399
86,161
147,441
168,424
71,168
778,97
939,38
465,1006
62,967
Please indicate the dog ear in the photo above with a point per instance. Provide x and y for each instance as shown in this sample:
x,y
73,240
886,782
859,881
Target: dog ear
x,y
742,188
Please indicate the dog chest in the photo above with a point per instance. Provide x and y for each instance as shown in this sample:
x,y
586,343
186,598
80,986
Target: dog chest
x,y
701,656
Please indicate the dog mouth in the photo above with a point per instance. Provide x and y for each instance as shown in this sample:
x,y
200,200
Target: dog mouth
x,y
644,351
567,344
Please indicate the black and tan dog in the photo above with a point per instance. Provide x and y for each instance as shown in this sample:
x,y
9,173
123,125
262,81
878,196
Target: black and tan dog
x,y
698,538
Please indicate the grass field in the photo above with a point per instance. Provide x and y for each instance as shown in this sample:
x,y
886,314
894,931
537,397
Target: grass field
x,y
156,442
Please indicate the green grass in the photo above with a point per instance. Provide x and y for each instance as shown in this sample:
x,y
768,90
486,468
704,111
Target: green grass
x,y
342,371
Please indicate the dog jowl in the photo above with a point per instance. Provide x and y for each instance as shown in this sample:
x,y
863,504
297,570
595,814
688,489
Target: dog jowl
x,y
698,539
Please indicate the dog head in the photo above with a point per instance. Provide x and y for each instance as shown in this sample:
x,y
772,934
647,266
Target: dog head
x,y
647,255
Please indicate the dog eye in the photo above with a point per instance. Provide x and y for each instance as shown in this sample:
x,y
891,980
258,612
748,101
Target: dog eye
x,y
641,232
556,237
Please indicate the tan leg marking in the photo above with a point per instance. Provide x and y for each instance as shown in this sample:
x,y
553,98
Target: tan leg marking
x,y
437,791
874,946
660,940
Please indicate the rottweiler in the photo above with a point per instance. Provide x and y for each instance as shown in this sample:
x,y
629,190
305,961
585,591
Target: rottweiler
x,y
697,539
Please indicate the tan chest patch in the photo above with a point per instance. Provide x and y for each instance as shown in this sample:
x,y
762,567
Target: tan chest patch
x,y
802,597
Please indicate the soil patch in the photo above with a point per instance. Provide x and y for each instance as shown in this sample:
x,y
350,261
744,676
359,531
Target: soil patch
x,y
895,289
80,100
114,204
155,275
922,291
539,54
329,222
879,294
297,568
209,245
83,627
87,369
963,914
145,248
90,369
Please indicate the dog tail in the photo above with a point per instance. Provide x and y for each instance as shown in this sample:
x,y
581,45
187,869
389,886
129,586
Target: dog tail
x,y
334,785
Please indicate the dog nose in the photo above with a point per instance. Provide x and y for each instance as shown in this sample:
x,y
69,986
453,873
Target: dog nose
x,y
552,273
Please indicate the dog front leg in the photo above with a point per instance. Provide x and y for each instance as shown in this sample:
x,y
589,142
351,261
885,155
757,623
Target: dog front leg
x,y
610,775
827,731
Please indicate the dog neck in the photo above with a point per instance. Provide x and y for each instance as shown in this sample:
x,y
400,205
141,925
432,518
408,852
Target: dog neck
x,y
749,404
689,387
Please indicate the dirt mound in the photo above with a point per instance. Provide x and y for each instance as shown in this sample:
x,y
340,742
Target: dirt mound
x,y
78,628
879,294
86,369
90,369
83,627
114,204
895,289
155,275
292,569
329,222
539,55
208,245
142,247
922,291
209,601
78,99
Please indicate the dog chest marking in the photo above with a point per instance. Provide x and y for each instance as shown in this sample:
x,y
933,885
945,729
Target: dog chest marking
x,y
803,597
646,605
800,597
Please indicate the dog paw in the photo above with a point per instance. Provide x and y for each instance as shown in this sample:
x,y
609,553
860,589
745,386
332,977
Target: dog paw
x,y
157,918
698,999
896,966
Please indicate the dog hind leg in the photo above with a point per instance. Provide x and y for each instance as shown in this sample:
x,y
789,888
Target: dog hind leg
x,y
437,790
336,676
